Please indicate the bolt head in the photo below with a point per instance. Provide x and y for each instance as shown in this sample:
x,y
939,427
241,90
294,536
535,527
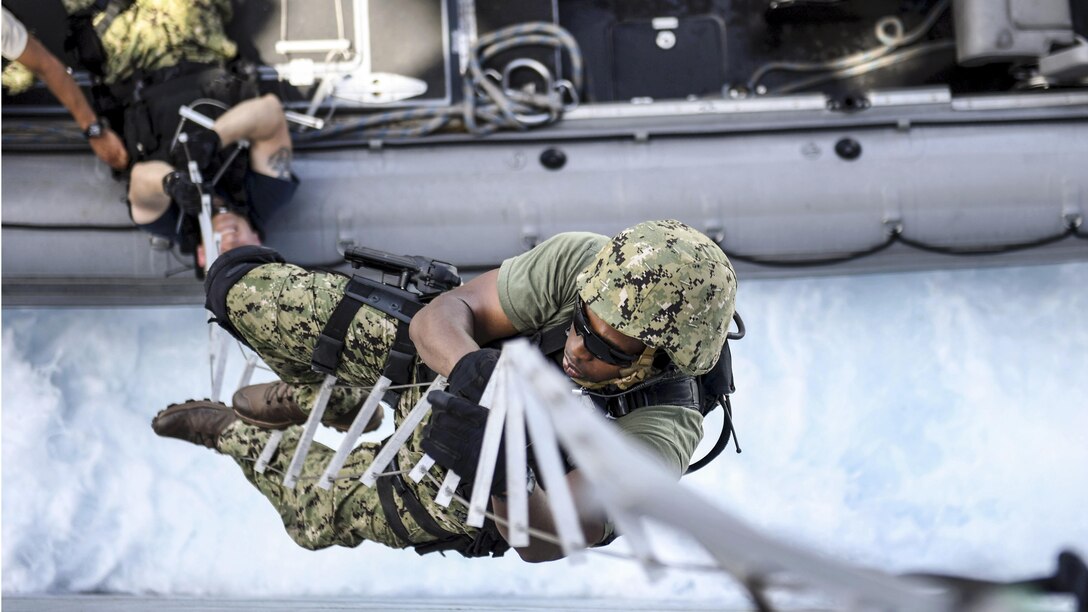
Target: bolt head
x,y
848,149
553,158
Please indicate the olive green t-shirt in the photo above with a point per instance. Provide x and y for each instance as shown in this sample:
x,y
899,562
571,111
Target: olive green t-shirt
x,y
538,291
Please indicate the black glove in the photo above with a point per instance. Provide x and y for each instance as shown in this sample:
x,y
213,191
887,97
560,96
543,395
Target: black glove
x,y
454,435
184,192
202,147
470,374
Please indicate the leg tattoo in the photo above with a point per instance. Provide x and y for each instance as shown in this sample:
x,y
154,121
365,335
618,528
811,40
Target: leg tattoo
x,y
280,163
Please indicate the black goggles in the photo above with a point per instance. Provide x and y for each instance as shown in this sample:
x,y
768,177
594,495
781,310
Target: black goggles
x,y
596,345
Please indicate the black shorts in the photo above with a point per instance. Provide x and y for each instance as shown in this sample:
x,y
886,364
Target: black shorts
x,y
267,196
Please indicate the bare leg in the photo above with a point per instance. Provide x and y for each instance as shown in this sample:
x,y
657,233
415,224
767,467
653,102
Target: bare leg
x,y
262,123
258,120
145,193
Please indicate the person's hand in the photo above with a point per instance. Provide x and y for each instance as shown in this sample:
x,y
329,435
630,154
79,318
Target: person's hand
x,y
202,146
183,192
234,231
110,149
454,435
470,374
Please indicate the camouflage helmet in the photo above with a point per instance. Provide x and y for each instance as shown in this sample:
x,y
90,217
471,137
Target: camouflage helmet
x,y
667,285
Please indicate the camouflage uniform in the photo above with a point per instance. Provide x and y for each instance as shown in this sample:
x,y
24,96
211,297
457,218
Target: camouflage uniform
x,y
280,310
662,282
154,34
150,35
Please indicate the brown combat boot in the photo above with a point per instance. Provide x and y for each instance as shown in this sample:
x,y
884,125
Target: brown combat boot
x,y
195,421
268,405
273,406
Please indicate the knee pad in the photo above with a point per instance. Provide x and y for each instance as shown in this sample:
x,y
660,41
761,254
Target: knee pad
x,y
228,269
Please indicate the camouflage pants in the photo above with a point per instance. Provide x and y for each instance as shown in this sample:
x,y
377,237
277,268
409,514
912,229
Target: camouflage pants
x,y
280,310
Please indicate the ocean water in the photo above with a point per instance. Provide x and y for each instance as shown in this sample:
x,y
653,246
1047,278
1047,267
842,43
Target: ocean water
x,y
926,421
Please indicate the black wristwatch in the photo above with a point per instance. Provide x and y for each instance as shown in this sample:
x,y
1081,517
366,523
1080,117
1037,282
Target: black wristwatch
x,y
96,129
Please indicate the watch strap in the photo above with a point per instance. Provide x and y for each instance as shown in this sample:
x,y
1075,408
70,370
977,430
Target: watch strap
x,y
96,129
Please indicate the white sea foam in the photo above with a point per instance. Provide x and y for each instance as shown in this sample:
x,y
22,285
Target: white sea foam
x,y
915,421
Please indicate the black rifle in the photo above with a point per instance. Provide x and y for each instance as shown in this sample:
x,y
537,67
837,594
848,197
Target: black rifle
x,y
427,276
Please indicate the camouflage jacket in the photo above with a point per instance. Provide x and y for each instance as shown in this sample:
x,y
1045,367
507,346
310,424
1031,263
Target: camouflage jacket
x,y
154,34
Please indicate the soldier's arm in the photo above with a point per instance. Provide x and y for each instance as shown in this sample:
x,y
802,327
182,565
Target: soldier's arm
x,y
52,72
459,322
540,517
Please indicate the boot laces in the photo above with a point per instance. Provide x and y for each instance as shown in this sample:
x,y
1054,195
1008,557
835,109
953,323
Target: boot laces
x,y
278,393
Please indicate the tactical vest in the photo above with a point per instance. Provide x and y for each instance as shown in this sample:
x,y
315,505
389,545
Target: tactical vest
x,y
144,108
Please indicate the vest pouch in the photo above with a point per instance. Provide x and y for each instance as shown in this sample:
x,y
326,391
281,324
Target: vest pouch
x,y
246,78
718,381
225,87
170,89
83,45
139,132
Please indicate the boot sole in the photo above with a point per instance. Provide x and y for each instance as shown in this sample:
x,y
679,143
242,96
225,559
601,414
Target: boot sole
x,y
284,425
265,424
181,407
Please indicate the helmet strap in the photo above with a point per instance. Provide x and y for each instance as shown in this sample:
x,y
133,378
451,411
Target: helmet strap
x,y
630,376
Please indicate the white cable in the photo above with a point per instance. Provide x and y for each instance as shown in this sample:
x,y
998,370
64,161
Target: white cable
x,y
856,58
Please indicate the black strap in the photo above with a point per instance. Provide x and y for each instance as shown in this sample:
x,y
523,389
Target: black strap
x,y
330,343
487,541
551,341
418,512
401,357
84,38
181,79
397,303
395,482
683,391
389,508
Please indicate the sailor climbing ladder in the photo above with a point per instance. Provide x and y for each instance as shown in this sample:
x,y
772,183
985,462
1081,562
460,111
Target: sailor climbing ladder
x,y
528,399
